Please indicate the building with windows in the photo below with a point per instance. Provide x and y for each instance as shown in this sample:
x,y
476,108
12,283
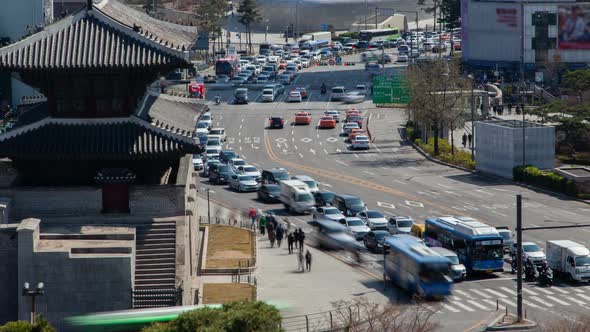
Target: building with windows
x,y
500,35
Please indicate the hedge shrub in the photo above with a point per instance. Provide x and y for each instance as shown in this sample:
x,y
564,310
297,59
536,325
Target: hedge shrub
x,y
548,180
460,158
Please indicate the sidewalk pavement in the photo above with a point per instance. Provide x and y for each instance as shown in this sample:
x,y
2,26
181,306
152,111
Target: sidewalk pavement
x,y
299,293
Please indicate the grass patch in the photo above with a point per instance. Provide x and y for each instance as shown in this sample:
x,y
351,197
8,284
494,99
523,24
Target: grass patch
x,y
582,158
227,246
225,293
460,158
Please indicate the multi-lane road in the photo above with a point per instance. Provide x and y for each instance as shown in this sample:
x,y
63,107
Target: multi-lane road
x,y
394,178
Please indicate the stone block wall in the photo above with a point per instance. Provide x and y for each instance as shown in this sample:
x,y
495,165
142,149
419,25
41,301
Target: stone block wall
x,y
8,277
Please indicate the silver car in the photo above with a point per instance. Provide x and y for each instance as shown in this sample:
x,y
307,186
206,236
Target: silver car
x,y
373,219
243,183
400,225
356,227
327,213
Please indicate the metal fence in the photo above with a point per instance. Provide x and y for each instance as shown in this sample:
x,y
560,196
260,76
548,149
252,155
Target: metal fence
x,y
322,321
204,220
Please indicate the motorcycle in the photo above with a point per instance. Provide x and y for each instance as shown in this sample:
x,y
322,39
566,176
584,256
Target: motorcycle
x,y
323,89
546,278
217,100
530,272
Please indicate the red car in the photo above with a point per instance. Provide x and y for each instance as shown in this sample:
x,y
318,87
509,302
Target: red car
x,y
302,118
355,118
355,132
302,91
327,122
352,112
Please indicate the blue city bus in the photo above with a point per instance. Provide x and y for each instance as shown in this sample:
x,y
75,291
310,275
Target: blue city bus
x,y
416,268
478,246
314,45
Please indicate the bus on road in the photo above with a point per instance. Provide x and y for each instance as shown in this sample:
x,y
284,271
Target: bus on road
x,y
413,266
380,34
315,45
479,246
229,66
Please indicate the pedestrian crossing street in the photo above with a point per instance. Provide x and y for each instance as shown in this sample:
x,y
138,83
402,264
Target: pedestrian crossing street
x,y
466,299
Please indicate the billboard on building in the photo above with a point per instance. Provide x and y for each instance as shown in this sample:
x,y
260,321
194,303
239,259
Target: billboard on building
x,y
574,26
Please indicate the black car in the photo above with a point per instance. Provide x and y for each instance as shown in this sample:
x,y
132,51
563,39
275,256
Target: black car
x,y
323,198
276,122
374,240
220,174
269,193
349,205
274,175
241,96
227,155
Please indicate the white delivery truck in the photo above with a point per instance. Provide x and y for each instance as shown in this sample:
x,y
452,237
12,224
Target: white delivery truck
x,y
570,258
296,197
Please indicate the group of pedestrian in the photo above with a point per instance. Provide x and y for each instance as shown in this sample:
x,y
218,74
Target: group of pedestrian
x,y
467,138
307,259
296,239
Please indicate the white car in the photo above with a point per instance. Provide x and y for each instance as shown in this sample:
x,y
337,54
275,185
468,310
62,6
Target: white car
x,y
356,227
333,113
361,89
360,142
400,225
349,126
218,132
311,183
338,93
295,96
211,153
213,144
268,95
197,163
373,219
250,170
402,58
236,162
353,97
202,128
305,63
327,213
241,183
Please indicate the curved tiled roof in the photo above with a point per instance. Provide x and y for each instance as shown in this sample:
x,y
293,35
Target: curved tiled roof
x,y
90,39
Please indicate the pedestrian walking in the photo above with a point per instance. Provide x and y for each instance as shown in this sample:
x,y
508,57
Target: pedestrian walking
x,y
279,235
301,239
290,240
300,259
296,238
287,225
308,260
464,140
262,224
271,235
252,215
470,139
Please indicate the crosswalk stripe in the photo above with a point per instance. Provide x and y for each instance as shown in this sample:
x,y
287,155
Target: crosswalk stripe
x,y
477,304
461,305
454,298
554,299
494,292
510,292
544,291
557,289
585,297
507,301
467,295
530,292
449,308
480,293
530,304
578,290
492,302
541,301
571,298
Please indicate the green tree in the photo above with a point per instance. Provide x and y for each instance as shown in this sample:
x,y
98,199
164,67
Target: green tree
x,y
232,317
577,80
211,14
450,13
248,10
41,325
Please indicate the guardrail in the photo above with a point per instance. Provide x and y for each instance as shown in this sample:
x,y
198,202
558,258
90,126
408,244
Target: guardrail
x,y
322,321
204,220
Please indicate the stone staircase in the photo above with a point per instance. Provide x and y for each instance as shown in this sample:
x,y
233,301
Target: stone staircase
x,y
155,268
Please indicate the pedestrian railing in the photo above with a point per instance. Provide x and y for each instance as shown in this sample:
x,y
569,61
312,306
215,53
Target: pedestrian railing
x,y
322,321
204,220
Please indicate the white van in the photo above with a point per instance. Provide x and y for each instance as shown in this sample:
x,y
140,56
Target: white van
x,y
338,93
268,95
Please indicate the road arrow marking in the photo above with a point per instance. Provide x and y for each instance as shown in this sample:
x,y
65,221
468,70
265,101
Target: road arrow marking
x,y
412,203
386,205
331,139
305,140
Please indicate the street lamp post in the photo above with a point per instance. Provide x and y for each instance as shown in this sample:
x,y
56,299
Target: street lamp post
x,y
208,205
33,293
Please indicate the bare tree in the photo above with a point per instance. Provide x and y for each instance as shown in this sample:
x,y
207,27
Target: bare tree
x,y
438,91
360,315
579,324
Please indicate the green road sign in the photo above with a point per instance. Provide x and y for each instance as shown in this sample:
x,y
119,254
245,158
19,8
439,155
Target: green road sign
x,y
390,90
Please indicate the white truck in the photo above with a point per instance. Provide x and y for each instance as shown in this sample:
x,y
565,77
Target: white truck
x,y
296,197
570,258
315,36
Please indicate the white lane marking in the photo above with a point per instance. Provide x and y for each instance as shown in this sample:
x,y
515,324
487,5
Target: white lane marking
x,y
452,193
585,297
467,295
325,151
491,302
507,302
368,172
434,192
312,151
554,299
414,168
483,192
343,163
240,127
537,299
508,290
544,291
530,304
498,213
295,146
338,150
530,292
442,185
292,139
240,148
376,148
569,212
577,301
386,205
320,143
326,184
449,308
461,305
494,292
239,133
559,290
242,119
475,303
356,155
318,136
578,290
398,181
425,194
412,203
300,155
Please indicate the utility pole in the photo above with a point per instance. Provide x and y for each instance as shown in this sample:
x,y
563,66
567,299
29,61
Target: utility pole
x,y
519,257
376,22
472,117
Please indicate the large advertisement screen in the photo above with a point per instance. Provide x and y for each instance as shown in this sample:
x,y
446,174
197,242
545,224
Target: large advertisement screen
x,y
574,27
